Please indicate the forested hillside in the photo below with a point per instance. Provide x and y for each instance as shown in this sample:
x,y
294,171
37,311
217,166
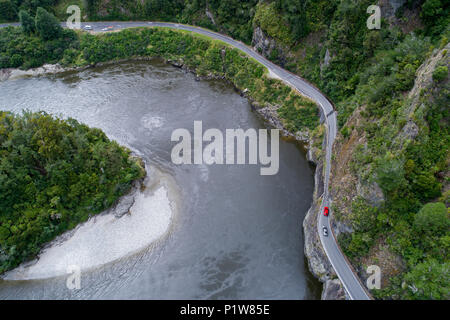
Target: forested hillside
x,y
390,177
54,174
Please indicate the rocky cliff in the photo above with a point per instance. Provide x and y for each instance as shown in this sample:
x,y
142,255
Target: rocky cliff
x,y
346,185
269,47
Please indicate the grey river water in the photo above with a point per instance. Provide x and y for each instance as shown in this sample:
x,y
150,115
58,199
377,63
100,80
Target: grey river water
x,y
237,235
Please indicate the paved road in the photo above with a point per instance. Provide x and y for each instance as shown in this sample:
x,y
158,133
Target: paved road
x,y
352,284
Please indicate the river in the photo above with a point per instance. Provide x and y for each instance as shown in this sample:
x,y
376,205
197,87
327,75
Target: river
x,y
237,234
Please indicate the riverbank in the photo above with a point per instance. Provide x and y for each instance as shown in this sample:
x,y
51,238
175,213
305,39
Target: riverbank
x,y
138,220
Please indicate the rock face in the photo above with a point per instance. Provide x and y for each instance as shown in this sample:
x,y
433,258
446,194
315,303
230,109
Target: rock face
x,y
10,73
270,115
126,202
333,290
424,77
326,60
318,262
4,74
410,130
267,46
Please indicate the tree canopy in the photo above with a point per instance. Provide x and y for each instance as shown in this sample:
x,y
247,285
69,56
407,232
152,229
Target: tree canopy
x,y
47,25
27,22
54,174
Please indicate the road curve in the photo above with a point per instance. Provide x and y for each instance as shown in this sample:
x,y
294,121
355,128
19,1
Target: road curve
x,y
342,267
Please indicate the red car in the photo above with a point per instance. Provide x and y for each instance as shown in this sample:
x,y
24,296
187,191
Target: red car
x,y
326,211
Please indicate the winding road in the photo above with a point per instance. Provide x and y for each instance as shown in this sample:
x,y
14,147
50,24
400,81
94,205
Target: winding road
x,y
353,286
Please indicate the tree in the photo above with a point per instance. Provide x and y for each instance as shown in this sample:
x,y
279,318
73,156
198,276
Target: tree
x,y
47,25
440,73
432,219
16,60
390,174
431,10
27,22
7,10
428,280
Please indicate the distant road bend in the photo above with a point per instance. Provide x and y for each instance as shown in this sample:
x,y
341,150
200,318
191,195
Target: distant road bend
x,y
351,282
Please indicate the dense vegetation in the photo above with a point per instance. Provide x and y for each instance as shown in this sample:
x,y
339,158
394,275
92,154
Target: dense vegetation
x,y
205,56
9,9
371,72
54,174
40,40
411,175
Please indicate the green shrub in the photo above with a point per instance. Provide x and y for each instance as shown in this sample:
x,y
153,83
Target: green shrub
x,y
27,22
390,175
432,219
16,60
345,131
440,73
270,21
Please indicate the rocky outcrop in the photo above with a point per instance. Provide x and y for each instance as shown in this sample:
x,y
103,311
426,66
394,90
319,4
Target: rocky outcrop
x,y
11,74
390,7
268,46
270,115
409,131
318,262
371,192
126,202
423,81
424,78
333,290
